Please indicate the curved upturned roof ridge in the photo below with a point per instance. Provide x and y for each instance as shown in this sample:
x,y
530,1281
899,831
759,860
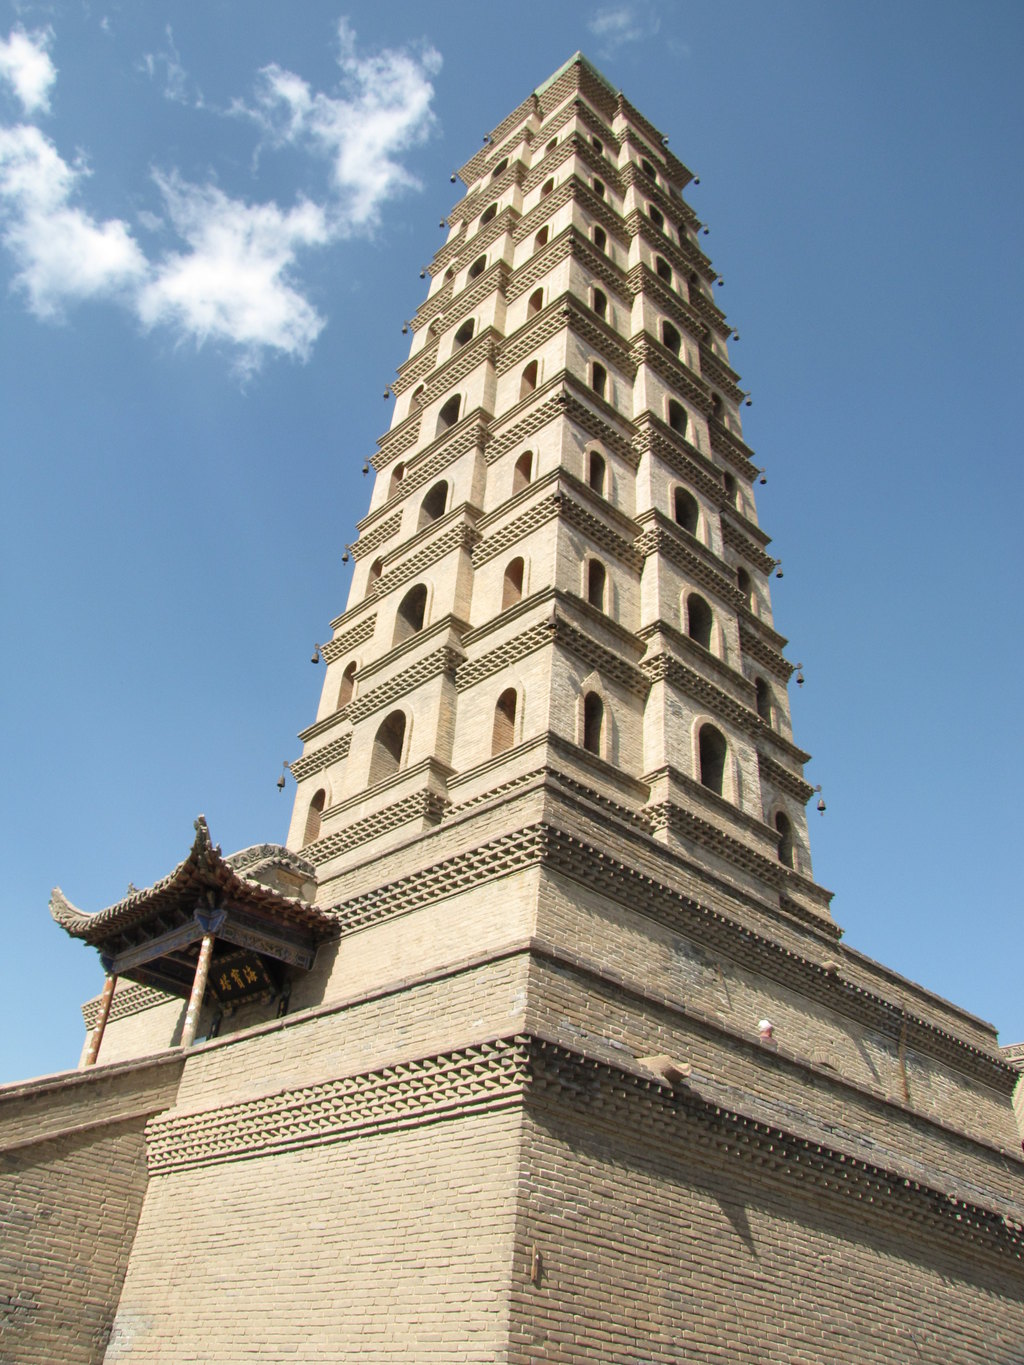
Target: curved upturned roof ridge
x,y
204,869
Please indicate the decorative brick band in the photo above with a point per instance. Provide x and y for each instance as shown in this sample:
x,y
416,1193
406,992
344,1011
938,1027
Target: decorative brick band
x,y
600,532
398,440
727,444
422,805
723,376
482,350
752,645
782,778
533,334
540,264
344,644
532,639
415,369
381,532
544,845
754,554
665,540
644,350
611,665
513,531
536,1071
641,279
320,759
410,1092
461,536
433,665
129,998
469,432
681,464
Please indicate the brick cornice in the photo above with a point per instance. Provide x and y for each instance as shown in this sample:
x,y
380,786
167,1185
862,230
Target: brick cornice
x,y
743,545
440,662
641,279
341,644
319,759
418,805
653,897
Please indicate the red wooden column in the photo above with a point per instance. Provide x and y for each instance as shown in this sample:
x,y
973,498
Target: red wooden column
x,y
96,1036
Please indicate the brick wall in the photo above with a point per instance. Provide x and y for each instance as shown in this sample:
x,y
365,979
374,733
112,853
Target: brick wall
x,y
72,1181
388,1247
651,1252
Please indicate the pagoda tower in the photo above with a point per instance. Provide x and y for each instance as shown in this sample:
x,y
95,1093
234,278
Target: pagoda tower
x,y
561,593
538,1041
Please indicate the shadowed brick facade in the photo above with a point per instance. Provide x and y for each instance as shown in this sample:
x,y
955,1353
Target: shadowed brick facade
x,y
582,1069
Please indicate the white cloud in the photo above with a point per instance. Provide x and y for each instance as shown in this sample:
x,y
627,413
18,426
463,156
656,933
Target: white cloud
x,y
234,283
384,109
26,66
60,251
231,274
630,22
177,85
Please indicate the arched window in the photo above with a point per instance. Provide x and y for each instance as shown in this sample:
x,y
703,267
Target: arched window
x,y
785,832
419,395
711,749
411,613
551,145
596,471
596,583
598,187
348,682
503,732
593,722
536,303
433,505
529,380
671,338
522,474
699,620
465,332
730,487
597,145
386,758
449,274
717,407
477,268
313,817
598,379
647,168
656,216
512,584
686,510
663,269
763,693
501,166
694,285
677,418
547,187
600,238
489,212
541,239
599,302
397,475
449,414
376,569
744,583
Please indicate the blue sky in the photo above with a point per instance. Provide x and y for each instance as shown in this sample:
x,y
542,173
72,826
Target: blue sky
x,y
212,220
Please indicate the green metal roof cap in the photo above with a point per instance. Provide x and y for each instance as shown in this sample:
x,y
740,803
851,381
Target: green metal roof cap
x,y
577,57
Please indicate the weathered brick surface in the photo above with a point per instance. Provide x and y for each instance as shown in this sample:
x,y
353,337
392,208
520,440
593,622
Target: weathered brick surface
x,y
72,1182
652,1251
390,1247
